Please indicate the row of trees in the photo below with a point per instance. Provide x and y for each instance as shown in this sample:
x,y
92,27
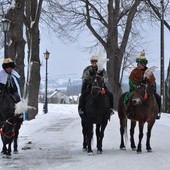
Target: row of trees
x,y
115,25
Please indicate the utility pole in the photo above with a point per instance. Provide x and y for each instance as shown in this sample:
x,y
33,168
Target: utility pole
x,y
162,84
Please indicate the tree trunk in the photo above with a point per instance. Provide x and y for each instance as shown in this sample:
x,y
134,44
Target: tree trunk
x,y
33,11
113,69
16,47
34,73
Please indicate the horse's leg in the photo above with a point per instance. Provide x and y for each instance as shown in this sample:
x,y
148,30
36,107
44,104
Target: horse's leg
x,y
132,128
101,136
123,130
89,137
16,130
141,124
4,145
4,149
149,128
16,142
84,131
98,135
9,149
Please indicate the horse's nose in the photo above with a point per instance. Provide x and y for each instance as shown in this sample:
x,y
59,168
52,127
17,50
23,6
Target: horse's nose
x,y
136,101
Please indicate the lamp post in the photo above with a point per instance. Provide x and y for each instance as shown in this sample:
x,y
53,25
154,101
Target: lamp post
x,y
162,85
5,28
46,56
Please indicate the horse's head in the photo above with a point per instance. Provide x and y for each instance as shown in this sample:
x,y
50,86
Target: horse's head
x,y
8,128
97,85
142,92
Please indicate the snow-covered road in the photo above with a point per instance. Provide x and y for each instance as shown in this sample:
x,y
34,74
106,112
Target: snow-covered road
x,y
54,141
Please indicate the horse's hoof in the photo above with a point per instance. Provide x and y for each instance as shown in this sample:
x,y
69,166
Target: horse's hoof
x,y
149,150
84,149
139,151
133,149
122,148
90,152
15,152
6,156
99,151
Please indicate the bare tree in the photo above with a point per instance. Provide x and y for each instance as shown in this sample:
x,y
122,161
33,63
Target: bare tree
x,y
110,22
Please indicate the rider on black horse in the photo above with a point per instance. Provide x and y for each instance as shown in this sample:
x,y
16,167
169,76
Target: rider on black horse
x,y
88,73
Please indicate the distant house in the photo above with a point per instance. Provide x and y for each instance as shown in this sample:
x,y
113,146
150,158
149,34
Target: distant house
x,y
58,97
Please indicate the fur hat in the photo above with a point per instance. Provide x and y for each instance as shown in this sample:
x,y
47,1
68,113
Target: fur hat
x,y
142,59
8,62
94,58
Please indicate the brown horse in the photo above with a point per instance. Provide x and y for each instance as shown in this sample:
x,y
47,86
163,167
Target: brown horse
x,y
145,110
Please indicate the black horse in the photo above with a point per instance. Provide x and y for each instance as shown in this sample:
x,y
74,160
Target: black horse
x,y
7,109
145,110
97,111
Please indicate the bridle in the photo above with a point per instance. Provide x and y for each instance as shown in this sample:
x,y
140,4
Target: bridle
x,y
140,95
10,133
97,86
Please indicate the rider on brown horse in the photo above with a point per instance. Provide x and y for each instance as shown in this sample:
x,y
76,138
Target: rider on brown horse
x,y
135,77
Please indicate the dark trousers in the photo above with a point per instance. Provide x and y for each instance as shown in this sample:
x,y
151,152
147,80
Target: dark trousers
x,y
110,95
82,99
158,99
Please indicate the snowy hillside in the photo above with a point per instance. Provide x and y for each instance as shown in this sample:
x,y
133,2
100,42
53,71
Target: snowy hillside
x,y
74,82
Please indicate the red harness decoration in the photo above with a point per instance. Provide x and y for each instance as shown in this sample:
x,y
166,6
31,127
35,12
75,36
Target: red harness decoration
x,y
145,95
1,132
103,91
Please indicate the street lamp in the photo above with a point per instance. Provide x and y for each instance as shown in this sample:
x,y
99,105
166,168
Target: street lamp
x,y
45,108
5,28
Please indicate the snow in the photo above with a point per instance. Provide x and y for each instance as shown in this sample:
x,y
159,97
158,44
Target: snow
x,y
53,141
